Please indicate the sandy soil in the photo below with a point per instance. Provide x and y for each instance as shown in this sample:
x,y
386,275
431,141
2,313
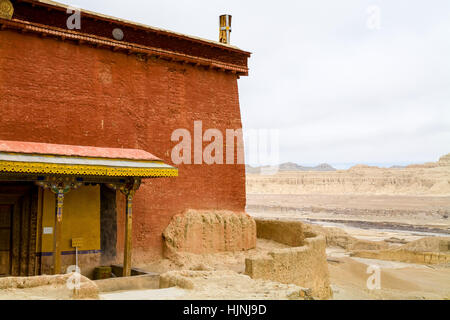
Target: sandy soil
x,y
348,276
39,293
376,217
217,285
395,215
224,280
368,203
361,231
370,217
399,281
384,203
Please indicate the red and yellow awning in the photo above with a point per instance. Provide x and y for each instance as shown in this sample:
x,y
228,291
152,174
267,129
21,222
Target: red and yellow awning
x,y
54,159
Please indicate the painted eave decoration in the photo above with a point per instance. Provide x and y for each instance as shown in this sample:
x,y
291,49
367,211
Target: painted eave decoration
x,y
6,9
190,50
52,159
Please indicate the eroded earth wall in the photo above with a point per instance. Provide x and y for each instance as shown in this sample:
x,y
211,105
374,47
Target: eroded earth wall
x,y
205,232
304,265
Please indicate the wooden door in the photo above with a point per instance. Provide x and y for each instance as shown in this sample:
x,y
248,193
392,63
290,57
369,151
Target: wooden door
x,y
18,229
5,240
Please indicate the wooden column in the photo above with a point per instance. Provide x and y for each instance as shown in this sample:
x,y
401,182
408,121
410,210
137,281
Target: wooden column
x,y
129,189
58,232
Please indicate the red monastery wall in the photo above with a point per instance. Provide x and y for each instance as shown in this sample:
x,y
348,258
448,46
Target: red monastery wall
x,y
61,92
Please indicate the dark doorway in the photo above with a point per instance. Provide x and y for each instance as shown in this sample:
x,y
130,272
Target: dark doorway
x,y
18,228
5,239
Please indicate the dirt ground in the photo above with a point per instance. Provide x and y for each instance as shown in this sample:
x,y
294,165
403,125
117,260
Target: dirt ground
x,y
348,275
234,261
409,215
398,206
399,281
400,203
39,293
224,279
47,287
404,218
216,285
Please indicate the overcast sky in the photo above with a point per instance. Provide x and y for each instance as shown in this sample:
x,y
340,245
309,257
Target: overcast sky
x,y
338,90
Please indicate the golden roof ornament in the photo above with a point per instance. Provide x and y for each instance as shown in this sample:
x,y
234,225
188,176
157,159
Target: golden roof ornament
x,y
225,28
6,9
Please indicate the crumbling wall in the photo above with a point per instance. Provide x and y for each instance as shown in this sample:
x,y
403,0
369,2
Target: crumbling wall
x,y
285,232
304,265
204,232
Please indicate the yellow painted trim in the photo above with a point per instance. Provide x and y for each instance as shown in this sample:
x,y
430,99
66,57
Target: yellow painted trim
x,y
91,170
6,9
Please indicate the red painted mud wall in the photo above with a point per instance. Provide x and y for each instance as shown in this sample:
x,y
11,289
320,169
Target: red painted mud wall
x,y
59,92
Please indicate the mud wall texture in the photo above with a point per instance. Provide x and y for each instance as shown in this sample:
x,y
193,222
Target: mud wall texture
x,y
305,265
205,232
61,92
289,233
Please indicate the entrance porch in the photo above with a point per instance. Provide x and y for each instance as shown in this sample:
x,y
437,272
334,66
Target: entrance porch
x,y
57,204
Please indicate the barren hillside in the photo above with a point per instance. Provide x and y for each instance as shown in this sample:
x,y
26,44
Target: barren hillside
x,y
426,179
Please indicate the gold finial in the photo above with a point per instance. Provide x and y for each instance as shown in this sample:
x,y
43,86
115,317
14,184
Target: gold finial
x,y
6,9
225,29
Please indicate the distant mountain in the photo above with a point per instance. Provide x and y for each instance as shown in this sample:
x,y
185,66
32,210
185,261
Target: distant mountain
x,y
290,166
398,167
